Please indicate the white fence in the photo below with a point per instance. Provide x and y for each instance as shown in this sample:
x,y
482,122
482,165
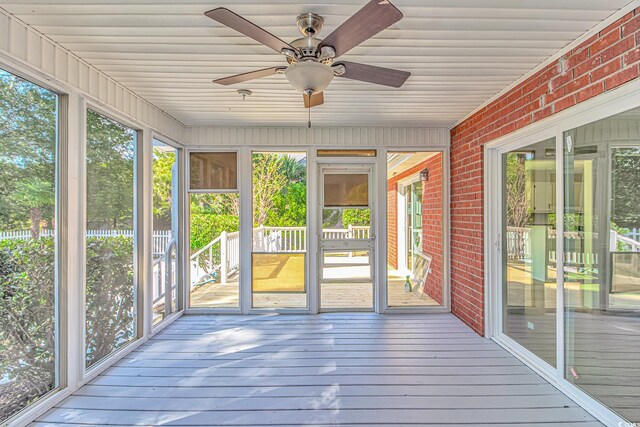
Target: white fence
x,y
220,259
161,238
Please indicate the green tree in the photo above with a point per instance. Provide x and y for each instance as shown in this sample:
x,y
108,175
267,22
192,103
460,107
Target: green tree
x,y
27,150
34,195
289,207
294,170
163,167
268,181
110,169
625,189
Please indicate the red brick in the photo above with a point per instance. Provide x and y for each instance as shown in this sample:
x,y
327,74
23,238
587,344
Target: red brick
x,y
577,58
631,26
590,92
564,103
541,114
631,56
605,70
562,79
616,25
622,77
604,42
587,66
617,49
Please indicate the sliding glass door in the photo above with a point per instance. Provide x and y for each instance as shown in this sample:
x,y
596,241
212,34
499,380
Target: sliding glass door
x,y
602,261
529,265
570,302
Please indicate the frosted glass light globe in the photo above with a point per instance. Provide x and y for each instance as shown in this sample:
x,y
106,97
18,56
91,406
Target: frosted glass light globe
x,y
309,75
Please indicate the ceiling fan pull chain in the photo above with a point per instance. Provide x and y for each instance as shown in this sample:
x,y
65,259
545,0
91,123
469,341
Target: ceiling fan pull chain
x,y
309,122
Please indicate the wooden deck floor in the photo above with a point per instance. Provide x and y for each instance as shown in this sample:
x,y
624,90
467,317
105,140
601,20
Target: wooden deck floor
x,y
331,369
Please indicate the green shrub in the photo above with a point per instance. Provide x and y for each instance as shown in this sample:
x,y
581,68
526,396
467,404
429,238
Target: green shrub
x,y
206,227
27,328
110,311
27,307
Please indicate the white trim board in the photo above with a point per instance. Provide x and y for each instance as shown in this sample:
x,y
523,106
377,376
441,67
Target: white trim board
x,y
321,137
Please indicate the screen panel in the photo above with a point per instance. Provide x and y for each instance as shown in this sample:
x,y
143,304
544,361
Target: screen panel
x,y
213,171
346,190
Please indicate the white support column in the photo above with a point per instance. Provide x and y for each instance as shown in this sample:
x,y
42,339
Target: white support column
x,y
144,230
72,243
246,227
380,245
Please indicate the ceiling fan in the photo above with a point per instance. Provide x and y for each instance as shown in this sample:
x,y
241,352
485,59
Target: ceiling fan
x,y
312,61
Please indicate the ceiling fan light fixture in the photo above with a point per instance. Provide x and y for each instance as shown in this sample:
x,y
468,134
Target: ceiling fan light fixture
x,y
309,75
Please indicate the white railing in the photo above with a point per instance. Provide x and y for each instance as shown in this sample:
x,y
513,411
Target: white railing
x,y
164,277
279,239
519,245
161,238
628,244
633,234
220,258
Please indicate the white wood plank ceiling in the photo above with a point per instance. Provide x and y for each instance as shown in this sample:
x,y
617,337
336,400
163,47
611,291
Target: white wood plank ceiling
x,y
460,53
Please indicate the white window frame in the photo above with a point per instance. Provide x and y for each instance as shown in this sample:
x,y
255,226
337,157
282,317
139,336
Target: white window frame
x,y
308,246
601,107
180,270
246,224
446,229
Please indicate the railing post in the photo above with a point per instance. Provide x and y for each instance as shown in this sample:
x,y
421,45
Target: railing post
x,y
613,241
168,279
223,258
350,236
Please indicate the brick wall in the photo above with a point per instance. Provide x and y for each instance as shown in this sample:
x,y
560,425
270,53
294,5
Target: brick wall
x,y
432,228
605,61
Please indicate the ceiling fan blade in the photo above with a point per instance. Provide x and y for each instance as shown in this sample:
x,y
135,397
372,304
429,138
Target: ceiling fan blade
x,y
244,77
315,99
373,74
374,17
248,28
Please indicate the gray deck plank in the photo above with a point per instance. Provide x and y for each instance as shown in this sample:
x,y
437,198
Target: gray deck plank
x,y
337,369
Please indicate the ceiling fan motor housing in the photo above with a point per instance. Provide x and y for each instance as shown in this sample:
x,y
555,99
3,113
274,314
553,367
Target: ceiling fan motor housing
x,y
309,24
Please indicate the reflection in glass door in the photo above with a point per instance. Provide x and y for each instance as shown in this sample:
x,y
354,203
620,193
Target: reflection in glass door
x,y
346,238
529,264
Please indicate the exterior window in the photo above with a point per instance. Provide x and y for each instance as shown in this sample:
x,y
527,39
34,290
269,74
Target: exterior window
x,y
602,261
110,251
214,231
529,267
415,214
165,230
28,291
278,273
